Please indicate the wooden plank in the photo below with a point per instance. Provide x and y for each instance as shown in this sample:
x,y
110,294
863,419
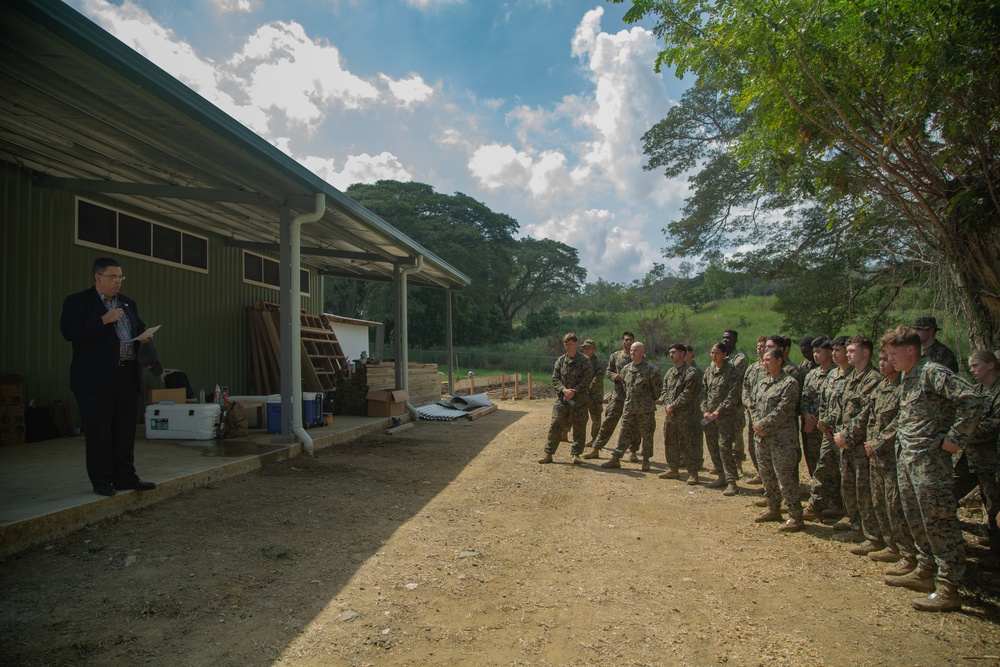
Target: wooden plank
x,y
480,412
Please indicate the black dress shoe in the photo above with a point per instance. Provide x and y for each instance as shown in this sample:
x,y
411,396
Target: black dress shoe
x,y
137,485
106,489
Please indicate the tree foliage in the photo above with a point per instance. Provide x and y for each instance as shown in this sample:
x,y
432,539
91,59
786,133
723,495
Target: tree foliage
x,y
508,275
885,115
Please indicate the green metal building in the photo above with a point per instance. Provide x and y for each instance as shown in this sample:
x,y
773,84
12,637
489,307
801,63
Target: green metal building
x,y
104,154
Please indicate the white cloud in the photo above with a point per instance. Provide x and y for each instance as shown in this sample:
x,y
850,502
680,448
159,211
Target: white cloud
x,y
408,91
615,247
362,168
228,6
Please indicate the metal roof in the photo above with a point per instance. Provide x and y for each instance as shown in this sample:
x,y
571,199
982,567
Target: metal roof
x,y
83,111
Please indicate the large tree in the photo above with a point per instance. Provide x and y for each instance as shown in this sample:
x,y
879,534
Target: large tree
x,y
544,270
884,113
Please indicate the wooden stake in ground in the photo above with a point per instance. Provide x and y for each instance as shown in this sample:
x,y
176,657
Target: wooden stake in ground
x,y
529,386
517,386
503,386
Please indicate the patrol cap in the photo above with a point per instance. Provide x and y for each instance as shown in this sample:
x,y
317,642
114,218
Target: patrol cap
x,y
925,322
589,342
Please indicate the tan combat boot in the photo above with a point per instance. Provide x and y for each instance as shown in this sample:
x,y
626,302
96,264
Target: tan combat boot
x,y
921,579
812,513
673,473
793,525
692,479
594,453
867,547
945,598
717,484
645,464
613,462
731,489
906,566
546,459
769,515
887,555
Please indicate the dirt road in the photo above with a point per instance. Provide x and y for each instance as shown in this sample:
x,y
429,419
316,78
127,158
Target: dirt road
x,y
449,545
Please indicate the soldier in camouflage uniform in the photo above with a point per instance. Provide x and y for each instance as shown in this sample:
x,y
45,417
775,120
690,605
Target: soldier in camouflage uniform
x,y
855,407
777,444
641,380
720,405
808,361
681,429
826,476
754,373
739,360
812,439
980,462
881,450
927,328
613,412
938,413
571,376
595,400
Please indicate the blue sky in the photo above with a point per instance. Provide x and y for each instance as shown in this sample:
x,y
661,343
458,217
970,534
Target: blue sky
x,y
535,107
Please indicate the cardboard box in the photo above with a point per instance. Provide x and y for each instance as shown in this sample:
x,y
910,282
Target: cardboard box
x,y
387,402
175,395
12,429
11,390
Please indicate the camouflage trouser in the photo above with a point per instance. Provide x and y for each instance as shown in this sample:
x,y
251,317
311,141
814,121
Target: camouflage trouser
x,y
989,494
595,407
565,416
636,428
739,448
856,488
720,436
612,413
812,443
682,441
889,510
778,459
826,477
926,492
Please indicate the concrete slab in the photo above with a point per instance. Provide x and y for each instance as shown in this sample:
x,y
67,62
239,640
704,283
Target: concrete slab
x,y
45,493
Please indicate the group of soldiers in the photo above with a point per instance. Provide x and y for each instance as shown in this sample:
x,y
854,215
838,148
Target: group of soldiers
x,y
890,449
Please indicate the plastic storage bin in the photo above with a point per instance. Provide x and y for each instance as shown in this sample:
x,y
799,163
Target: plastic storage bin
x,y
182,421
273,406
310,417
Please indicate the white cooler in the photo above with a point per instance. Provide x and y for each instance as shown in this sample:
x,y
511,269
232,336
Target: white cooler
x,y
182,421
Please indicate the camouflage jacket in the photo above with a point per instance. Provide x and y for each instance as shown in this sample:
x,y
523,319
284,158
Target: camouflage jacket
x,y
829,400
935,405
573,373
642,386
882,422
739,360
755,373
856,404
596,387
942,354
616,363
805,366
811,390
721,391
774,405
682,390
982,453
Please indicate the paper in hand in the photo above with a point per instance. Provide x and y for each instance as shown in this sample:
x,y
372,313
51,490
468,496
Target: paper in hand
x,y
146,335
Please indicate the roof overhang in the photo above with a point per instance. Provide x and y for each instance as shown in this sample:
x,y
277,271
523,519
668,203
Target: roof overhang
x,y
84,112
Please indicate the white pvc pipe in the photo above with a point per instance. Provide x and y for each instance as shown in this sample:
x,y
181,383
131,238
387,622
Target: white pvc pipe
x,y
295,306
404,332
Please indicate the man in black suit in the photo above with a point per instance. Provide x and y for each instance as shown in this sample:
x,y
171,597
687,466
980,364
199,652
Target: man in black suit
x,y
105,376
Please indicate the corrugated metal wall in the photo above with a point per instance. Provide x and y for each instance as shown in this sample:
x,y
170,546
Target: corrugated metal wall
x,y
204,316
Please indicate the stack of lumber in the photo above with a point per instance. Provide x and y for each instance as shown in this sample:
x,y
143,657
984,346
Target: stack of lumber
x,y
322,358
425,385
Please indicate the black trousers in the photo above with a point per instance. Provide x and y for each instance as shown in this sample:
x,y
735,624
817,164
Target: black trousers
x,y
109,422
